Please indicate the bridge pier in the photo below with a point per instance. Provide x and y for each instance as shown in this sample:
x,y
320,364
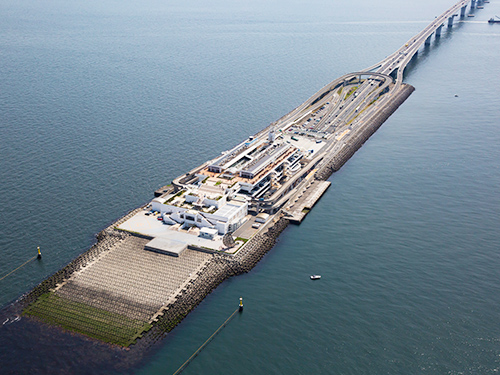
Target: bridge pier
x,y
438,31
415,55
428,40
462,11
450,21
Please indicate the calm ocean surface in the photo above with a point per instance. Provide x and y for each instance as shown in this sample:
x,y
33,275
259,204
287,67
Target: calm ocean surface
x,y
101,102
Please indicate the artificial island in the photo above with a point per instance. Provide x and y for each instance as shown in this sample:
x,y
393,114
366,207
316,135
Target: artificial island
x,y
149,269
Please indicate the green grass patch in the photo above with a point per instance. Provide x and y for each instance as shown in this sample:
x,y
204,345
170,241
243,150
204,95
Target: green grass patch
x,y
178,194
351,91
241,239
218,183
90,321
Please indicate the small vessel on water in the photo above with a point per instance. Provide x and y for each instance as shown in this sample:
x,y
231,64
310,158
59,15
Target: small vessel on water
x,y
492,20
315,277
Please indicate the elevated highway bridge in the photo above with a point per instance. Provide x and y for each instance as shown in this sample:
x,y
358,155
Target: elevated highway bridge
x,y
398,61
382,82
338,117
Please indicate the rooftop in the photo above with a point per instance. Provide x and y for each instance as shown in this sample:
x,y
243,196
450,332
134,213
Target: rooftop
x,y
228,210
166,246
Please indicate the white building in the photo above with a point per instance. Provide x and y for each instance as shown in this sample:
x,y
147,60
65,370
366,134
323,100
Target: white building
x,y
204,207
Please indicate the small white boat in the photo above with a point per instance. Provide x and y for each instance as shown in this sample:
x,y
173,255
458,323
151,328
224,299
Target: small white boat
x,y
315,277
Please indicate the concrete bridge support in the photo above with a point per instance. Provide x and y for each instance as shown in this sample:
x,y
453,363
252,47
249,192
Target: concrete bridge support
x,y
450,21
438,31
462,11
428,40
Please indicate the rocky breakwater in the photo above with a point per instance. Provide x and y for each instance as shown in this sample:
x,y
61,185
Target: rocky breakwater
x,y
219,268
52,301
334,163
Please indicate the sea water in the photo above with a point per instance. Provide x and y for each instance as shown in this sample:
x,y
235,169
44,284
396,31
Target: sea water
x,y
101,102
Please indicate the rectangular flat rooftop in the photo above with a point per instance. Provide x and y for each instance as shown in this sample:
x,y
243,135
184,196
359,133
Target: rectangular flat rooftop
x,y
166,246
270,155
228,210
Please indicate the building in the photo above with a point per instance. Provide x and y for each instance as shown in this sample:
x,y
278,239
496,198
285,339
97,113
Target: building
x,y
209,205
257,165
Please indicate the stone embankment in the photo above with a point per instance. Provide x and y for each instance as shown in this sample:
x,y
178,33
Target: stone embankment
x,y
361,136
218,269
106,240
213,272
220,266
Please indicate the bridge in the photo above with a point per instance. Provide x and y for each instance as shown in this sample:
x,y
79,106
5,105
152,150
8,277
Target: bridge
x,y
115,292
397,61
320,134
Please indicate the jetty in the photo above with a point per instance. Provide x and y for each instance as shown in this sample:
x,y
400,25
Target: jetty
x,y
150,268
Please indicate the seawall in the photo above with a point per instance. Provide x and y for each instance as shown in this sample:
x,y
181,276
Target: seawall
x,y
220,266
358,139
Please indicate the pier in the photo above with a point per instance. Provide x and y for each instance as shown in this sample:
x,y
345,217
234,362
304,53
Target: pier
x,y
149,269
305,201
